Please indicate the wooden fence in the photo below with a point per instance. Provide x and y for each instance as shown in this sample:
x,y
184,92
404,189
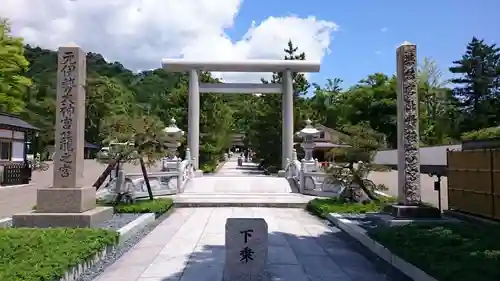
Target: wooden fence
x,y
474,182
15,173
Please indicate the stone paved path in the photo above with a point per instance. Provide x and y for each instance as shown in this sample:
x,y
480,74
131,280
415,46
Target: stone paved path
x,y
233,179
245,185
189,246
231,168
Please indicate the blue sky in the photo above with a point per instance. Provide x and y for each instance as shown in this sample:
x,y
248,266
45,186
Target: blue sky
x,y
440,28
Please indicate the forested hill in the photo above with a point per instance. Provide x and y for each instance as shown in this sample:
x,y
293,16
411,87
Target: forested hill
x,y
449,109
113,90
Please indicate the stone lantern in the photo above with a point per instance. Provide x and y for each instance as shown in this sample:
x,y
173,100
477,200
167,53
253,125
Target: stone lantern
x,y
174,135
307,134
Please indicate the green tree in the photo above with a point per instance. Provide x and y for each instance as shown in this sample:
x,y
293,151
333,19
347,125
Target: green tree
x,y
364,143
438,111
146,138
106,97
477,85
13,64
264,131
373,101
323,103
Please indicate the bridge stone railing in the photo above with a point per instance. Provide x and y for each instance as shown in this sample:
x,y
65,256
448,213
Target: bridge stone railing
x,y
168,182
311,179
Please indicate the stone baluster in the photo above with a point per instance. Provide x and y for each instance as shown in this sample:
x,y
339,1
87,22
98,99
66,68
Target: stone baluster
x,y
302,182
180,175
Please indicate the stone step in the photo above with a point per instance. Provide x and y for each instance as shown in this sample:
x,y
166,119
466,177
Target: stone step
x,y
242,193
278,200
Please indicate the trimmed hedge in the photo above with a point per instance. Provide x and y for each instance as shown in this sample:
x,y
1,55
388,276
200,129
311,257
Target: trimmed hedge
x,y
321,207
448,251
28,254
157,206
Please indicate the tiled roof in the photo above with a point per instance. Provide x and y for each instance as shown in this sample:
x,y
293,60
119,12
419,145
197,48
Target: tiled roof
x,y
91,145
14,121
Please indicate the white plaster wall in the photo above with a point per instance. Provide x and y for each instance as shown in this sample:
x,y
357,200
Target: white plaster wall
x,y
5,134
19,135
17,151
432,155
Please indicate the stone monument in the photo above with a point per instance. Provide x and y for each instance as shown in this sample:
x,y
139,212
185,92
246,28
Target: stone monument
x,y
67,203
246,249
409,200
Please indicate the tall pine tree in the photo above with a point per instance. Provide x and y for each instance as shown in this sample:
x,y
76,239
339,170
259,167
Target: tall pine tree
x,y
265,132
477,87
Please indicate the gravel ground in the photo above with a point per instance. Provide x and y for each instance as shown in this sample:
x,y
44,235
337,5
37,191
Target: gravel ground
x,y
365,221
93,272
118,221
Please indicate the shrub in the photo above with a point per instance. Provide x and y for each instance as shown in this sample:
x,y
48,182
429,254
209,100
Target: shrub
x,y
208,168
157,206
321,207
447,251
483,134
46,254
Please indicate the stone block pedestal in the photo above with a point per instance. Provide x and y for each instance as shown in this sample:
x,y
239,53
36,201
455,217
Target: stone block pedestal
x,y
412,212
64,207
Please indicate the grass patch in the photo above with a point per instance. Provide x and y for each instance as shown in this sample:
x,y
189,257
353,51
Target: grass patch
x,y
158,206
448,252
321,207
28,254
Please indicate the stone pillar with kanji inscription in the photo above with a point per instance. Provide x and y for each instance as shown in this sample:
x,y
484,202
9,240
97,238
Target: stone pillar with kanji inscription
x,y
70,118
67,202
409,199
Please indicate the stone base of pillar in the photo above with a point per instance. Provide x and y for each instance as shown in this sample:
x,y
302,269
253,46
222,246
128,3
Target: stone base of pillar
x,y
412,212
64,207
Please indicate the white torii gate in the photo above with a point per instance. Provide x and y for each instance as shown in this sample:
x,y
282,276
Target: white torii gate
x,y
195,88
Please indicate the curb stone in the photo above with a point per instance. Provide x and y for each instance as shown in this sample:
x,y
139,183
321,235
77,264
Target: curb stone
x,y
75,272
124,233
5,222
361,235
135,226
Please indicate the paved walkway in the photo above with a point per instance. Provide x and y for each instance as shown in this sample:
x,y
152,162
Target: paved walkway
x,y
232,178
231,168
18,199
189,246
239,185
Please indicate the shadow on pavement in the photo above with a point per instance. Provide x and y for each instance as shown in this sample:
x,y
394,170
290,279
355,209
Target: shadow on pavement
x,y
326,257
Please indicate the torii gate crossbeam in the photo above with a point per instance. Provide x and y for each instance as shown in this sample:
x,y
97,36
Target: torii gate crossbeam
x,y
287,67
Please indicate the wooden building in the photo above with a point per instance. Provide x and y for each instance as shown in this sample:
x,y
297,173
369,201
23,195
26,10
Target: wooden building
x,y
328,138
14,136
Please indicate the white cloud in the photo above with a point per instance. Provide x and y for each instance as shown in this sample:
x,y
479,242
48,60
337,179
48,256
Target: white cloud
x,y
139,33
384,29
